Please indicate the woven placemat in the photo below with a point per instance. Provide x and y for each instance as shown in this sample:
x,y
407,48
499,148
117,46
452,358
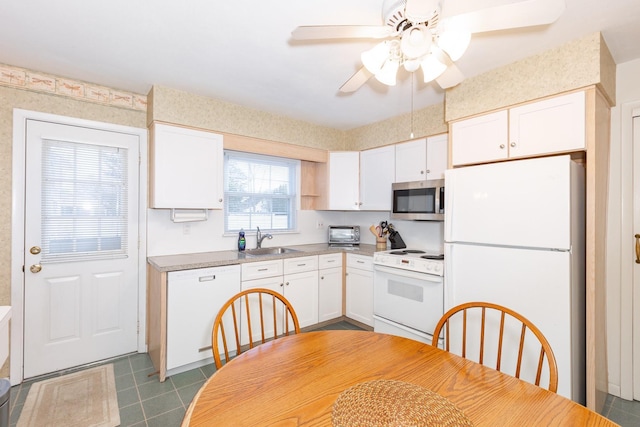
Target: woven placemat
x,y
387,403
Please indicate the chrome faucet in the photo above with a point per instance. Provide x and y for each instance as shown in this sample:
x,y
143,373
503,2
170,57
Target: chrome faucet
x,y
260,238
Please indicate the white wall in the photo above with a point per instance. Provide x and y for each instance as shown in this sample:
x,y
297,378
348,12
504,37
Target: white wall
x,y
620,242
167,238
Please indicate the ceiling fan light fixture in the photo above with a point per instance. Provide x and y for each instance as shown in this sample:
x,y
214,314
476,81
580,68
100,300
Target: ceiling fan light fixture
x,y
374,58
454,43
411,65
388,72
416,42
432,68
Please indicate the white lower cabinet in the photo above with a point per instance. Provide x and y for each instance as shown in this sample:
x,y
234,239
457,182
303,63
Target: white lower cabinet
x,y
194,298
329,286
295,278
360,288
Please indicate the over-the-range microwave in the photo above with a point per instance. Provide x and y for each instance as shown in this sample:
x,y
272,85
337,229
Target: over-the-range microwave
x,y
418,200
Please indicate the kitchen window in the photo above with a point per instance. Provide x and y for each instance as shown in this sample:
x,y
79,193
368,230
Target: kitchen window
x,y
260,191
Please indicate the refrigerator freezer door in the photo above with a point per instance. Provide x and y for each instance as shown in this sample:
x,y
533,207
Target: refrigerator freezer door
x,y
536,283
521,203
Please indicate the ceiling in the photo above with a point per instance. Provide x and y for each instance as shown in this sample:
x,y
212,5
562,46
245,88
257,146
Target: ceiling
x,y
241,51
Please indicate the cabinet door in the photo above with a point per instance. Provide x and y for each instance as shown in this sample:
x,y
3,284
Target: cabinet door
x,y
301,289
480,139
549,126
344,173
437,147
273,283
411,161
329,293
377,173
194,298
360,295
359,283
186,167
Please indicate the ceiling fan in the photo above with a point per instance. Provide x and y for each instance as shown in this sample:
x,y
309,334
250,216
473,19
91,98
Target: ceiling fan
x,y
420,34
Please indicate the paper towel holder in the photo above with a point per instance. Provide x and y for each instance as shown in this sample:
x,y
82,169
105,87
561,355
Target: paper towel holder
x,y
189,215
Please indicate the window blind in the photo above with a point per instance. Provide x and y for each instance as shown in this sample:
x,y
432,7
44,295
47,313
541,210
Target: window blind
x,y
84,200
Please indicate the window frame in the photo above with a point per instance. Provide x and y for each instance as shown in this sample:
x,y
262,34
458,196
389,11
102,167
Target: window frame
x,y
292,196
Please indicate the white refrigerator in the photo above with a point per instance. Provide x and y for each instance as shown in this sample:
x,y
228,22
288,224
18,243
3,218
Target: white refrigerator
x,y
514,235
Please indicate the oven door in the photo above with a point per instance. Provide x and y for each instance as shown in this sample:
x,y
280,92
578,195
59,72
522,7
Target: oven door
x,y
412,299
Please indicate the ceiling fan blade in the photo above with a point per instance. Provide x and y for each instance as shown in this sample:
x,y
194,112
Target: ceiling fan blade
x,y
451,77
514,15
358,79
420,10
315,32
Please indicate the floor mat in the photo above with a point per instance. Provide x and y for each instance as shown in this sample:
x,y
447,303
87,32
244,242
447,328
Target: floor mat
x,y
84,399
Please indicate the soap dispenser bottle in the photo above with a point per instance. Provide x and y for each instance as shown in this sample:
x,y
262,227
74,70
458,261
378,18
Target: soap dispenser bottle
x,y
242,241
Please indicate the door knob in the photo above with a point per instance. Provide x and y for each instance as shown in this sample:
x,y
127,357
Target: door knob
x,y
35,268
35,250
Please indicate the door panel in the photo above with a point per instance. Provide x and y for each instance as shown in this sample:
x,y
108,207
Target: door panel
x,y
539,285
81,240
495,204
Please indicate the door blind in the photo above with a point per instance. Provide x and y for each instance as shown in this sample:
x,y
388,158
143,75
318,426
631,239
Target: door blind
x,y
84,201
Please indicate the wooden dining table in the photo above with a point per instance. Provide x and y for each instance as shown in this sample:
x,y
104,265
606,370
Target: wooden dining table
x,y
295,381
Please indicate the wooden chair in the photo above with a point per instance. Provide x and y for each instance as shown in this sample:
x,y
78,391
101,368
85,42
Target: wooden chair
x,y
251,317
506,315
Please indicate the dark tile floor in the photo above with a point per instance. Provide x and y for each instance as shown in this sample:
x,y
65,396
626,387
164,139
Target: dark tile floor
x,y
624,412
145,402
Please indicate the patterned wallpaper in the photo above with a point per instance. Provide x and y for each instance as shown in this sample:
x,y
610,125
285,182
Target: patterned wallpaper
x,y
577,64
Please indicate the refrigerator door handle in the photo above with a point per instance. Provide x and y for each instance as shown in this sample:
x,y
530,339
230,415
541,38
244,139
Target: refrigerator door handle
x,y
449,185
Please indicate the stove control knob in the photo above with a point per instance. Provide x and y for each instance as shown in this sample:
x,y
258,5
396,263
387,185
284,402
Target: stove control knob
x,y
429,267
438,268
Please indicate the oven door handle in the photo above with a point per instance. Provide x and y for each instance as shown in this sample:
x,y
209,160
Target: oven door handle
x,y
406,273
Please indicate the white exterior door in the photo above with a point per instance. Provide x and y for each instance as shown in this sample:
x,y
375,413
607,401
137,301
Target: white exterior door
x,y
80,247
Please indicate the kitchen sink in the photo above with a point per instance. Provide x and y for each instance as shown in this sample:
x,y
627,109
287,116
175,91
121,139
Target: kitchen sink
x,y
269,251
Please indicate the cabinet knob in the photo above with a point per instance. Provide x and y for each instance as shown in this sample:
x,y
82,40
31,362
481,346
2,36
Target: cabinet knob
x,y
281,284
513,144
321,277
502,146
220,200
421,172
428,171
360,204
287,283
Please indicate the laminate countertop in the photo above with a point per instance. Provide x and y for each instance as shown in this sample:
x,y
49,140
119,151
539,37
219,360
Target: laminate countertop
x,y
220,258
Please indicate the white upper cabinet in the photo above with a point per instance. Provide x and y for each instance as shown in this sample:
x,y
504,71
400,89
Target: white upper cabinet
x,y
549,126
553,125
480,139
411,161
421,159
377,173
186,168
344,175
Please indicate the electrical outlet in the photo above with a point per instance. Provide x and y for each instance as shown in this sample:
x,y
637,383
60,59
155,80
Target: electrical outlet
x,y
186,229
319,225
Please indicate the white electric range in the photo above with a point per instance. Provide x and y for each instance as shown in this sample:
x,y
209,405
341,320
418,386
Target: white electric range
x,y
408,293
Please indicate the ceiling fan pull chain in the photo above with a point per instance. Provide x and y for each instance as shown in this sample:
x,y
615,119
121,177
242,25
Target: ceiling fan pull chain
x,y
412,76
